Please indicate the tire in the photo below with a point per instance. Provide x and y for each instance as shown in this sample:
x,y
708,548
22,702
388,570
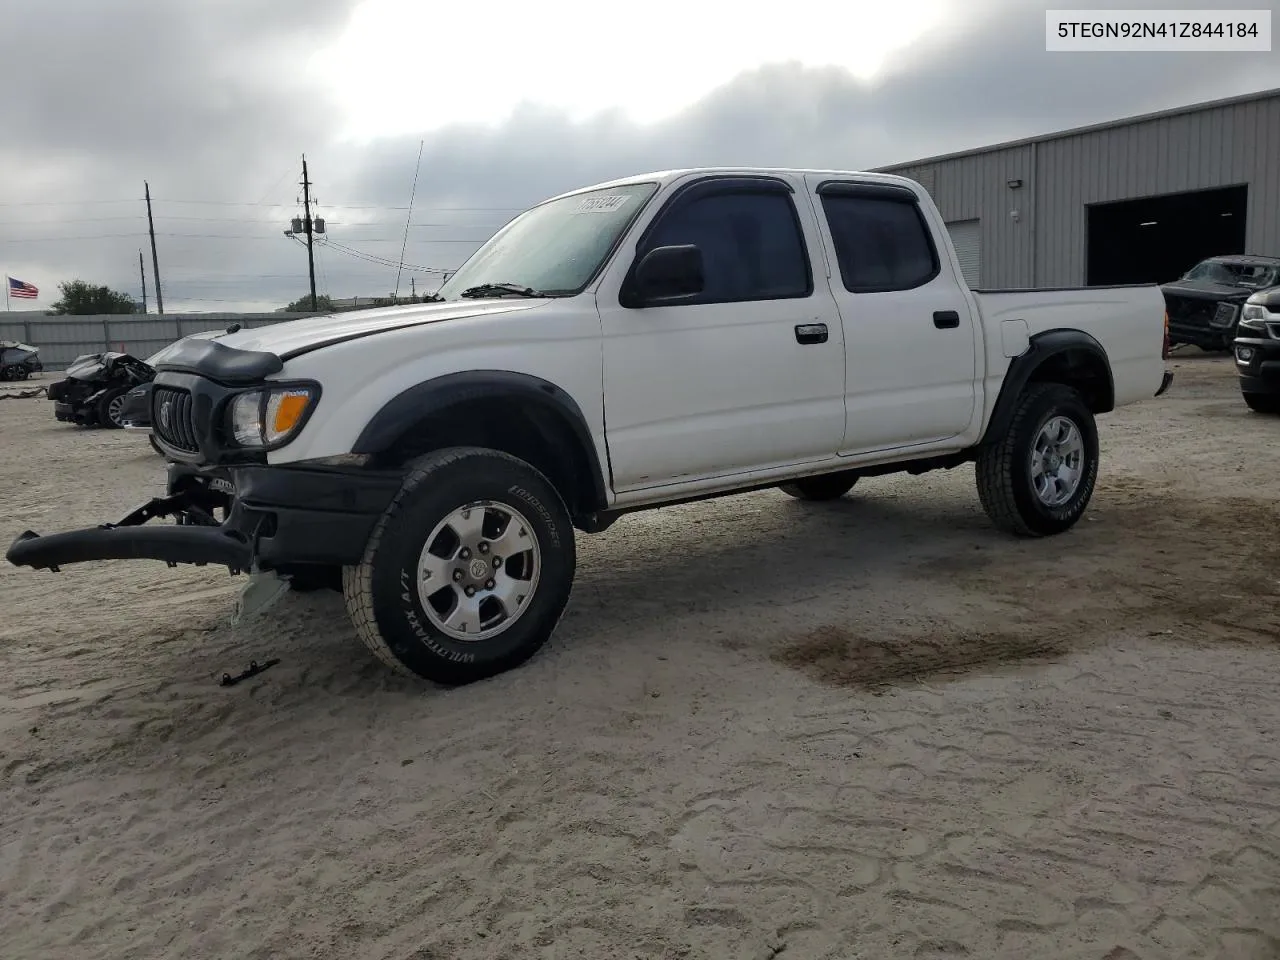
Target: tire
x,y
1263,402
109,406
1004,469
827,486
391,613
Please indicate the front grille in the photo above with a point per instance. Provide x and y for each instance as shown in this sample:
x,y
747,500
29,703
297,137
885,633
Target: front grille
x,y
1192,312
173,419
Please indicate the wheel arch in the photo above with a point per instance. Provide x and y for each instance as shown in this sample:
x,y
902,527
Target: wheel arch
x,y
1070,357
517,413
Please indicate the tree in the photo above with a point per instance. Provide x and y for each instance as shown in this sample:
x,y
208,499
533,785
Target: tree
x,y
303,304
81,298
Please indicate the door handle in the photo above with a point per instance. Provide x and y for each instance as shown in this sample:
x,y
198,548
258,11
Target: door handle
x,y
944,319
811,333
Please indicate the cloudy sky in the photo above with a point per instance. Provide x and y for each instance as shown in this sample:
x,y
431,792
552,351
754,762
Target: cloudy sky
x,y
213,102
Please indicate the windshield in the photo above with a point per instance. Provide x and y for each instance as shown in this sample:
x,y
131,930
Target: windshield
x,y
555,248
1235,274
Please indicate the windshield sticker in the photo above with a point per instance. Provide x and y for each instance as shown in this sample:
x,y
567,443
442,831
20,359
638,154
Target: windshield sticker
x,y
602,204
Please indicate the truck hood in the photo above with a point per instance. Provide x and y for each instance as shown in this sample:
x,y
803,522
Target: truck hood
x,y
293,337
1207,290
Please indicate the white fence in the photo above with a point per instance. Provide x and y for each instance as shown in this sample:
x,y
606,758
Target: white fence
x,y
62,339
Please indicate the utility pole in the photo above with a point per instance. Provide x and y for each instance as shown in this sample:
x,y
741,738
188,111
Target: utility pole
x,y
142,271
413,290
155,259
306,209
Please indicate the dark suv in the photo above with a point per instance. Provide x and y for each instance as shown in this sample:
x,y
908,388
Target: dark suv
x,y
1257,349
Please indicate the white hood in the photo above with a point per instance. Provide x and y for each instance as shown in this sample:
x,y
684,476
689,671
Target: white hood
x,y
292,335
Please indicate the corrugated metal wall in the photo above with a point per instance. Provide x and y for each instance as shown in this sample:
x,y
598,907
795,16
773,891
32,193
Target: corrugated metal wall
x,y
1226,145
62,339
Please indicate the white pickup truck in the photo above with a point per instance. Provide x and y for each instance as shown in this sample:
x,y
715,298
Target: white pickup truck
x,y
648,341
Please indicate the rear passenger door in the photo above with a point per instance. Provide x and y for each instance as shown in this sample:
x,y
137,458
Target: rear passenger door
x,y
747,376
910,337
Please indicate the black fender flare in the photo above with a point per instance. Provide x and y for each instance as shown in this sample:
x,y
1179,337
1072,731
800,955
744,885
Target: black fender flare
x,y
1042,346
419,402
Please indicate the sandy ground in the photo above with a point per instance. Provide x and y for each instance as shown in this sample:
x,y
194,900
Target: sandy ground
x,y
871,729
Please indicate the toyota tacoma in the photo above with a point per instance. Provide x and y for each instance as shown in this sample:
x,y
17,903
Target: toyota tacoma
x,y
648,341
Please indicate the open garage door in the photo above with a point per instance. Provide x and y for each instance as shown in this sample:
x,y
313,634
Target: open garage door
x,y
1158,239
966,237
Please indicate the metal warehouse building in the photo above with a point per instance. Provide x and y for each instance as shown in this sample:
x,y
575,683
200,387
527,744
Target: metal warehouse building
x,y
1138,200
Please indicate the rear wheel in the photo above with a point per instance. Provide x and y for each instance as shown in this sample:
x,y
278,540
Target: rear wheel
x,y
828,486
1038,478
1263,402
469,570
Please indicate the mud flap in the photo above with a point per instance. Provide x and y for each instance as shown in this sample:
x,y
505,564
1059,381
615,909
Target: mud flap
x,y
263,591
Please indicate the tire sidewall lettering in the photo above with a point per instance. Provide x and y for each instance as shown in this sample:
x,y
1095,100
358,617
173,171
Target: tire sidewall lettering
x,y
410,606
553,533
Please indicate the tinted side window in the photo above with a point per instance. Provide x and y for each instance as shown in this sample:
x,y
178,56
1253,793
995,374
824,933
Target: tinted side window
x,y
880,244
752,246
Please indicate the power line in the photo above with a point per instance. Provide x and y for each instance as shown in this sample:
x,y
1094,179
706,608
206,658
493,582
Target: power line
x,y
228,236
247,203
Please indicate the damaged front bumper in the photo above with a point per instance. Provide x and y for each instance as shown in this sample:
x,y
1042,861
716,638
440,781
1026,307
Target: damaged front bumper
x,y
273,518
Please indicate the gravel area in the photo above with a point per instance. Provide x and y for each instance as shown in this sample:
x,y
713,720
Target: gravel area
x,y
869,729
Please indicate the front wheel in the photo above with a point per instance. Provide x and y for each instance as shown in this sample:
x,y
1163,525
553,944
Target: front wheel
x,y
110,406
469,570
1038,478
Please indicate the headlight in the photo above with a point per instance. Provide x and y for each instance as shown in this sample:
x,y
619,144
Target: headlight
x,y
1252,316
270,417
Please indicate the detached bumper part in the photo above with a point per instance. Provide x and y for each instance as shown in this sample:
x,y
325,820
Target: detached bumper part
x,y
200,540
1165,381
172,544
278,517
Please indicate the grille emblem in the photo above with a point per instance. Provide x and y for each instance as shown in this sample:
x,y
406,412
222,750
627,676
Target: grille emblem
x,y
164,414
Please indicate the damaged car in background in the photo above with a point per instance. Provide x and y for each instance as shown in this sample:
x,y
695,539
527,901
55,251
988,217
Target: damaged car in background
x,y
113,389
1205,303
18,361
93,391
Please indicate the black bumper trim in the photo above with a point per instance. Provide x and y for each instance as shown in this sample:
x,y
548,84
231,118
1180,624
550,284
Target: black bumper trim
x,y
172,544
310,515
1165,382
316,489
1261,372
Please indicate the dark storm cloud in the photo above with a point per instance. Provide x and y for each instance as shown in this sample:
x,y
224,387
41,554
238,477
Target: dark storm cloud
x,y
204,105
201,99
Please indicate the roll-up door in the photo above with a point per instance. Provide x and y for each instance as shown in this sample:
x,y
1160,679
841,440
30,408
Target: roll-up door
x,y
966,237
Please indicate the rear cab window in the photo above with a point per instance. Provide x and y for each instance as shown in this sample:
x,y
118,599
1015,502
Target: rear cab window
x,y
881,240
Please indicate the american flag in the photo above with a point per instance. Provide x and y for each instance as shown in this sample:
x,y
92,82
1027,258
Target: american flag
x,y
25,291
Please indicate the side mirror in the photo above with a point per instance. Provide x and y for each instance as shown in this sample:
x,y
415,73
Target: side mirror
x,y
667,275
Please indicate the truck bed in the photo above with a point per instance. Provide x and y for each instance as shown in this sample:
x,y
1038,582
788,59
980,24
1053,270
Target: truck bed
x,y
1126,320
